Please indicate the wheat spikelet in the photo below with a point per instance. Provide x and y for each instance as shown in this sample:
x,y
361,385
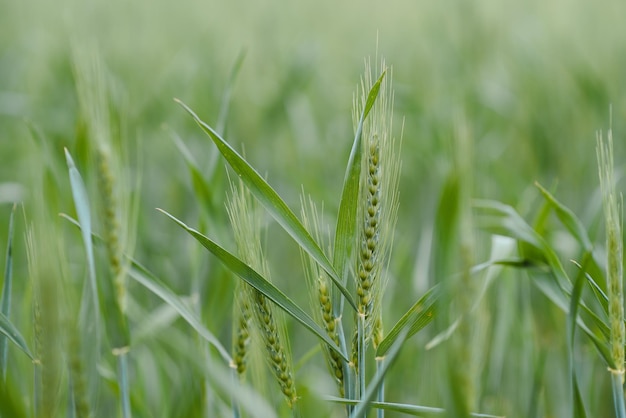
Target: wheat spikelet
x,y
246,224
613,221
320,291
378,203
241,333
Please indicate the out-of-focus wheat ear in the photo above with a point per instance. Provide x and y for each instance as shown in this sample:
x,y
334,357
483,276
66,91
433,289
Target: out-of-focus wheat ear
x,y
320,292
246,222
612,204
102,129
241,332
42,246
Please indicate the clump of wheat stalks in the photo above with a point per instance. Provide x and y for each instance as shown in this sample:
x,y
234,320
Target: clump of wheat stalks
x,y
246,222
378,202
321,296
613,221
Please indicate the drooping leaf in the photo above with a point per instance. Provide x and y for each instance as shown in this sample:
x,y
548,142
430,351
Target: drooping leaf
x,y
569,219
272,202
502,219
144,277
9,330
261,284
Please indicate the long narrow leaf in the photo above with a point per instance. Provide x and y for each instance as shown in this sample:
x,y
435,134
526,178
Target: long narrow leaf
x,y
272,203
578,404
202,190
568,218
153,284
366,398
415,319
8,329
258,282
415,410
346,219
81,203
548,288
5,302
502,219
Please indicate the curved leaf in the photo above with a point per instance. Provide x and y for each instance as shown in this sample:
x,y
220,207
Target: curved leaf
x,y
272,202
258,282
152,283
8,329
415,319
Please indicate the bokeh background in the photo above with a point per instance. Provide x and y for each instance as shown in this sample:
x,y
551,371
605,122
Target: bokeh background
x,y
533,82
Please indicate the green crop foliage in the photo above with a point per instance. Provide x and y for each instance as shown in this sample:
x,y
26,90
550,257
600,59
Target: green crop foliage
x,y
444,230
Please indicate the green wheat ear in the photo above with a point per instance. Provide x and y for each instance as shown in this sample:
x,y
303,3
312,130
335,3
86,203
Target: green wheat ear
x,y
320,291
613,221
378,201
246,222
241,333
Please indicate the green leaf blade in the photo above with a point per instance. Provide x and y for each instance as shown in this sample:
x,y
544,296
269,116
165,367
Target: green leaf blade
x,y
5,302
414,320
258,282
9,330
144,277
272,202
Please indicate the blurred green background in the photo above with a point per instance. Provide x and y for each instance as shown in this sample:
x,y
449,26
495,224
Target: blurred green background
x,y
533,80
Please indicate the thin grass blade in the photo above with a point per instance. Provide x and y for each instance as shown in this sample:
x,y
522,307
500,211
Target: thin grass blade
x,y
415,319
225,105
568,218
345,230
9,330
578,404
502,219
5,302
272,203
258,282
81,203
367,397
408,409
201,189
144,277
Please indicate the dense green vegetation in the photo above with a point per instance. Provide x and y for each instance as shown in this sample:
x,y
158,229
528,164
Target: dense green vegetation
x,y
501,223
